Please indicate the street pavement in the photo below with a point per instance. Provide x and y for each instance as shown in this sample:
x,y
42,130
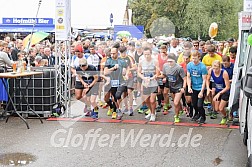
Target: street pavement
x,y
80,144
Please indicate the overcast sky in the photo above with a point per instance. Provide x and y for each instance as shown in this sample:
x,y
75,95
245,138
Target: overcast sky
x,y
84,12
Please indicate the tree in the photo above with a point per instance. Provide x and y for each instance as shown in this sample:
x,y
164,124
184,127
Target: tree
x,y
142,13
190,17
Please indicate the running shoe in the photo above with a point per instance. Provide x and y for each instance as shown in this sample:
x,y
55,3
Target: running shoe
x,y
87,113
176,119
167,106
95,114
209,113
205,105
181,112
101,103
153,118
142,109
213,115
125,111
195,117
110,111
131,112
202,120
113,115
148,116
159,107
147,112
223,121
119,114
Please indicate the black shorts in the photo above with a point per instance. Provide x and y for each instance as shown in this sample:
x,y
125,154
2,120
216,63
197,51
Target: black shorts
x,y
161,86
78,85
212,85
187,93
224,97
149,90
167,85
93,90
120,91
109,87
174,91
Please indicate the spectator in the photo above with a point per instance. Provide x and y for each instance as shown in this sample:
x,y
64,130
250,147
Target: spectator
x,y
49,57
17,49
232,54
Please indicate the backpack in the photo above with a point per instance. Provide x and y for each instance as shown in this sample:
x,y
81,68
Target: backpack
x,y
58,110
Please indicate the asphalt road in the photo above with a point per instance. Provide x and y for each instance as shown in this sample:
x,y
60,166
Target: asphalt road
x,y
56,144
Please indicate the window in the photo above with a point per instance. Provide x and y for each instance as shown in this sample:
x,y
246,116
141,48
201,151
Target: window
x,y
243,49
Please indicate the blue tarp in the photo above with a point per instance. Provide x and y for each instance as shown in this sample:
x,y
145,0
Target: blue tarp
x,y
135,31
26,28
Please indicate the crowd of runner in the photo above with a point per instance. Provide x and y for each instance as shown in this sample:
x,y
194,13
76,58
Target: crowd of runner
x,y
138,73
144,74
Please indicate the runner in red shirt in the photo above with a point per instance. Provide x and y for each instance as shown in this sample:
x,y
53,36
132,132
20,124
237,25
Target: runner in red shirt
x,y
186,97
163,86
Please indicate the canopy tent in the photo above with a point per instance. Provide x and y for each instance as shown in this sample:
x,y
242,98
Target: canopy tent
x,y
134,31
26,28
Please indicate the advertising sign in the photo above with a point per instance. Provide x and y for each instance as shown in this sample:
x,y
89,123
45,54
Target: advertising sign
x,y
27,21
63,20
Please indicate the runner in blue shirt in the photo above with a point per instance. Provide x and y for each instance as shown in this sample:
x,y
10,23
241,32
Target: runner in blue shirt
x,y
228,66
222,87
196,80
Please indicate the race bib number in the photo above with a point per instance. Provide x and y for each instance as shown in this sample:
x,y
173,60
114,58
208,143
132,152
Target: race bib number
x,y
114,83
160,82
219,86
171,78
148,74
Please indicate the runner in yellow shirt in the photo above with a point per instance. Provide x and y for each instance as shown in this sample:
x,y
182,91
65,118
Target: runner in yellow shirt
x,y
211,57
208,60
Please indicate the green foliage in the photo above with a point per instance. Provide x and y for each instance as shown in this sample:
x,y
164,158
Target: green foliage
x,y
190,17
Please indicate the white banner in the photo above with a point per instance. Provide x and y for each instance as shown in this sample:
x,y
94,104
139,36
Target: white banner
x,y
247,5
245,20
63,20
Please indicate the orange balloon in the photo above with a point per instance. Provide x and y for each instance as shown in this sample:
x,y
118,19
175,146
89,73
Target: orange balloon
x,y
213,30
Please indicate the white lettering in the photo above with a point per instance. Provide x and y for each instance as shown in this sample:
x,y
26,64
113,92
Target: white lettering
x,y
87,136
61,140
102,139
68,137
186,137
78,138
154,139
145,138
169,138
95,136
194,139
131,135
113,137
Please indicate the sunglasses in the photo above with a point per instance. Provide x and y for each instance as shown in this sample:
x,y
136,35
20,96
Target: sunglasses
x,y
82,65
195,45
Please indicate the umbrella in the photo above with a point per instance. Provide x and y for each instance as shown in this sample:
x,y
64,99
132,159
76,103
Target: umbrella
x,y
36,38
123,34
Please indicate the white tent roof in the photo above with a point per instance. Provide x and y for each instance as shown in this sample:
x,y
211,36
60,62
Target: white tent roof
x,y
84,13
